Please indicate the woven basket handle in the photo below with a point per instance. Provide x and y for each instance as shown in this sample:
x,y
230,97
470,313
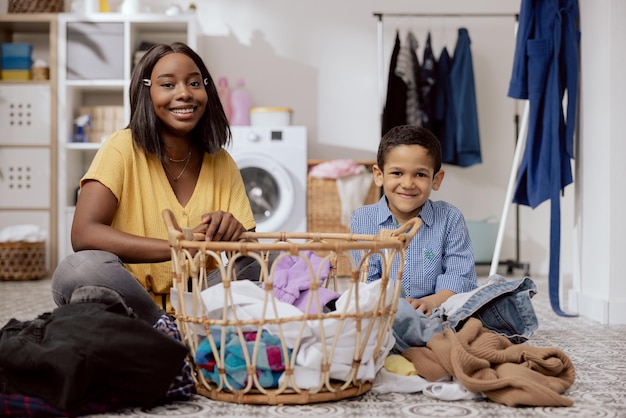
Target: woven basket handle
x,y
405,231
175,232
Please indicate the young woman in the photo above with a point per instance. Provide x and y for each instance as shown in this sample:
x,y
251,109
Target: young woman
x,y
169,156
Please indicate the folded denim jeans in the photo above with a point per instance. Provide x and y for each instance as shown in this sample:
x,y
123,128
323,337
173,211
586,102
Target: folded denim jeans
x,y
503,306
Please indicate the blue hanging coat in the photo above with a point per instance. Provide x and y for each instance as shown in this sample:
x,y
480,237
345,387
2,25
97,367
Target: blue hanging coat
x,y
463,102
545,66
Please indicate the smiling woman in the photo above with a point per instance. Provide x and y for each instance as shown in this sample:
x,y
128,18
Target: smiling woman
x,y
170,156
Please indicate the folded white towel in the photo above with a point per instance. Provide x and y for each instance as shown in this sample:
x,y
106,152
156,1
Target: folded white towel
x,y
353,191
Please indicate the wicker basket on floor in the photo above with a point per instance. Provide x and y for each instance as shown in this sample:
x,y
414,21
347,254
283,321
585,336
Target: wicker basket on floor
x,y
22,260
357,331
324,208
36,6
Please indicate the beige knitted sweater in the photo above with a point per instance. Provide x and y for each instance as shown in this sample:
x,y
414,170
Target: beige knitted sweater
x,y
507,373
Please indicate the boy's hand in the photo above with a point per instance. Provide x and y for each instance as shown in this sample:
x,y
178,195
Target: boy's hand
x,y
427,304
424,304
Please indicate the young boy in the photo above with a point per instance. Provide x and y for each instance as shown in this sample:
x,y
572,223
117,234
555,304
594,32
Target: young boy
x,y
439,260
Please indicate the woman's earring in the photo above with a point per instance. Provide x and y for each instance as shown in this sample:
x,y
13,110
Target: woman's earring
x,y
147,82
206,81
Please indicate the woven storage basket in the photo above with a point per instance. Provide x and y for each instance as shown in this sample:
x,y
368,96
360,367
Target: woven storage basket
x,y
22,260
324,209
359,332
36,6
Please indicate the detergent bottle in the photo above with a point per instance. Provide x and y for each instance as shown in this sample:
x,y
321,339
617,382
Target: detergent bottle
x,y
240,102
81,122
224,93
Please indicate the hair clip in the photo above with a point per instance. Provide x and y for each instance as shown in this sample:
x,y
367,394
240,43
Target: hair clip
x,y
147,82
206,81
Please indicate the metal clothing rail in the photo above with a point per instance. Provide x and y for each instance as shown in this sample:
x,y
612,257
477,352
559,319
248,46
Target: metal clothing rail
x,y
519,145
380,15
379,28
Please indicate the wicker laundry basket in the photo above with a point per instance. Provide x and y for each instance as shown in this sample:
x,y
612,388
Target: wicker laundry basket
x,y
324,207
359,331
22,260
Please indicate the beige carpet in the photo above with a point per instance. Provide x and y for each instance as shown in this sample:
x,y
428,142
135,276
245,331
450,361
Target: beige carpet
x,y
598,354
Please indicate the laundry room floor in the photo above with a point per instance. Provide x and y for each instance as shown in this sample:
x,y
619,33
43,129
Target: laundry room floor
x,y
597,352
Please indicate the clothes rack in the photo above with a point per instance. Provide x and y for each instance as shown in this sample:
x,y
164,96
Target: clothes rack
x,y
519,144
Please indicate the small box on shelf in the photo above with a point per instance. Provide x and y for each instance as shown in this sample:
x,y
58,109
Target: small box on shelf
x,y
16,75
104,121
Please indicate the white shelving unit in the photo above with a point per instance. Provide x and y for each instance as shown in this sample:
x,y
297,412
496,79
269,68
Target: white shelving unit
x,y
28,143
96,55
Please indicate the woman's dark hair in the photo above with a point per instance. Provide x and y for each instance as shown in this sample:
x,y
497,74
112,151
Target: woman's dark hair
x,y
211,133
409,135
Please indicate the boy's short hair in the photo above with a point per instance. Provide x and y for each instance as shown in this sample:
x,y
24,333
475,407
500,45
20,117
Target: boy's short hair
x,y
409,135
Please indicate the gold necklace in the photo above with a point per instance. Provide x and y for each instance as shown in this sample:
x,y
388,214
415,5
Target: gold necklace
x,y
181,160
186,159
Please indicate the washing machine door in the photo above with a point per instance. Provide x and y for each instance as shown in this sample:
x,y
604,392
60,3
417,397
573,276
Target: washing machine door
x,y
270,190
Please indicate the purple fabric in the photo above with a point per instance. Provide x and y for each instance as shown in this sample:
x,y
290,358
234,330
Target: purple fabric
x,y
292,281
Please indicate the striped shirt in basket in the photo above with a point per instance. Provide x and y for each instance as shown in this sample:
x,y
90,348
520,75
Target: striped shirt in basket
x,y
439,257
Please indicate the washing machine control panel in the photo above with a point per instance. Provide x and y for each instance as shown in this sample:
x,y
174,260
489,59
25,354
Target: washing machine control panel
x,y
271,135
253,136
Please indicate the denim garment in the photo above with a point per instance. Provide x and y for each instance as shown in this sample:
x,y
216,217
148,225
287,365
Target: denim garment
x,y
503,307
411,328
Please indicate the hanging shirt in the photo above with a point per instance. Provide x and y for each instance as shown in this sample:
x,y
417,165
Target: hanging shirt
x,y
408,69
428,81
463,94
443,125
394,113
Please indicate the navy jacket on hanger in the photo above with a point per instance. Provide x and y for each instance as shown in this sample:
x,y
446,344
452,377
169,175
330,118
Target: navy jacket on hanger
x,y
463,95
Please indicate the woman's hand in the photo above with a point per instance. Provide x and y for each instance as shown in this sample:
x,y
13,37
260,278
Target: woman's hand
x,y
220,226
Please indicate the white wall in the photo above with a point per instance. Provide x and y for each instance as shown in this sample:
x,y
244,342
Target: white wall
x,y
599,288
320,58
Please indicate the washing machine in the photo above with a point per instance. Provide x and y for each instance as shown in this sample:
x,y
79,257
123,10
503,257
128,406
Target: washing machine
x,y
273,164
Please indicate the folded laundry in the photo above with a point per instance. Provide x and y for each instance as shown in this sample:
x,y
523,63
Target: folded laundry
x,y
333,169
353,191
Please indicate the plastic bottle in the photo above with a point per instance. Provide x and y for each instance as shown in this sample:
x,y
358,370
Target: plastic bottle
x,y
224,93
80,135
240,102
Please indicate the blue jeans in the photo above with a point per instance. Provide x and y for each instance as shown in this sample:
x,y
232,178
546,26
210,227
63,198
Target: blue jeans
x,y
503,306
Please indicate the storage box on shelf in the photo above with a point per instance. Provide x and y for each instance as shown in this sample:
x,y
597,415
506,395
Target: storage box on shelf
x,y
97,54
16,60
28,146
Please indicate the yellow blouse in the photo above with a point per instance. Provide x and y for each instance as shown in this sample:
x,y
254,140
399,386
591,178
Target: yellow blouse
x,y
142,189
